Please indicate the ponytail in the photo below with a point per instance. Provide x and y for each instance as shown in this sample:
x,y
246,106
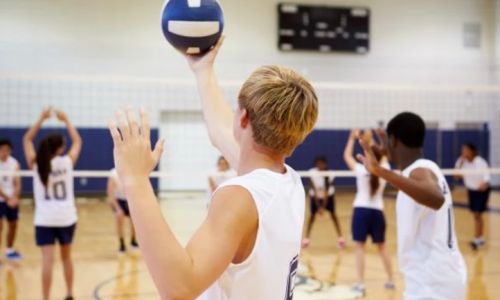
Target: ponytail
x,y
46,151
374,184
375,180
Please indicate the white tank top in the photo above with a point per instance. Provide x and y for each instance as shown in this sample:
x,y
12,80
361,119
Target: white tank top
x,y
119,192
6,181
363,195
429,257
55,205
269,271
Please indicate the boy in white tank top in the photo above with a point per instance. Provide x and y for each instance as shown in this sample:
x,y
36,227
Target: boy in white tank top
x,y
429,258
248,246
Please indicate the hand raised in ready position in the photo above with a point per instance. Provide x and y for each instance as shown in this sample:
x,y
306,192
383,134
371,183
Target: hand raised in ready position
x,y
132,152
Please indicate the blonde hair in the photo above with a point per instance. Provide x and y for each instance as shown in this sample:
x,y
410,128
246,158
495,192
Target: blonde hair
x,y
282,107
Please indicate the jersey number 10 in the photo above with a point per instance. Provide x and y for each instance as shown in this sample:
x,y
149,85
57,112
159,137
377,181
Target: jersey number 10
x,y
58,191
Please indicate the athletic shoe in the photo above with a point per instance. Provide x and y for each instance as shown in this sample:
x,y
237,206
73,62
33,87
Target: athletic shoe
x,y
389,285
305,243
476,243
122,249
134,245
341,243
13,256
359,288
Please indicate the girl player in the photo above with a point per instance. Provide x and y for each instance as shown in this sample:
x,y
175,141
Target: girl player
x,y
116,198
368,217
478,188
322,194
223,173
10,192
55,211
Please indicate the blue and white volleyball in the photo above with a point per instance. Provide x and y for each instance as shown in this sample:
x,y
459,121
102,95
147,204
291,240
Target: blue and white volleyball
x,y
192,26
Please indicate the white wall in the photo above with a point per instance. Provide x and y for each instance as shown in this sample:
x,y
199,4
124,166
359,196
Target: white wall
x,y
412,41
74,50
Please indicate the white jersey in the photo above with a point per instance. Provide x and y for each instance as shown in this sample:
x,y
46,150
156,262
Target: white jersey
x,y
429,257
363,195
269,271
322,184
55,204
474,181
119,192
7,181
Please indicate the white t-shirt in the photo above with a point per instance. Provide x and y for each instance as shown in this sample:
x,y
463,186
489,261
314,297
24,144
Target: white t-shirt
x,y
429,257
363,196
269,272
119,192
319,184
6,181
55,204
474,181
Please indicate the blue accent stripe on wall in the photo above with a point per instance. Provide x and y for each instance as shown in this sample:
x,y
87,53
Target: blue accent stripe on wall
x,y
97,154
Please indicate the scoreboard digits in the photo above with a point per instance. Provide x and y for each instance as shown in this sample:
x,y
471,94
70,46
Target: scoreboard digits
x,y
323,28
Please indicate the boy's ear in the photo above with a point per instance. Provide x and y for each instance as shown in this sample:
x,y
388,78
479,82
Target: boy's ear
x,y
244,118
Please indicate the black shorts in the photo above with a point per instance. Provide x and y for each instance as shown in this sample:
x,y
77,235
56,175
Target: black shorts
x,y
329,205
11,214
46,236
368,222
124,206
478,201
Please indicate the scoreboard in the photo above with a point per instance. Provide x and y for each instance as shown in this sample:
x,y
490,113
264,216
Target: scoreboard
x,y
323,28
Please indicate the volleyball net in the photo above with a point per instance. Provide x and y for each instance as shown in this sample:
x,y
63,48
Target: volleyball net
x,y
454,114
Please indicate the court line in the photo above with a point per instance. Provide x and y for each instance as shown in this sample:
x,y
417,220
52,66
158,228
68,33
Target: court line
x,y
105,282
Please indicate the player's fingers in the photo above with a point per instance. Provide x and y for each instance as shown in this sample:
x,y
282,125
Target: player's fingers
x,y
132,122
123,125
115,134
145,126
219,44
158,150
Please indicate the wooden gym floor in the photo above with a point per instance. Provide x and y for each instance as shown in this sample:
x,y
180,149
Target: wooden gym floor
x,y
326,271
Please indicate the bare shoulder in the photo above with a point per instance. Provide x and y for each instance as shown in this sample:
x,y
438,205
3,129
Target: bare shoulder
x,y
423,174
233,203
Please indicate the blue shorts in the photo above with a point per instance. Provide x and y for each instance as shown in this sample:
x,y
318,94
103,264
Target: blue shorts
x,y
368,221
124,206
329,204
46,236
478,201
11,214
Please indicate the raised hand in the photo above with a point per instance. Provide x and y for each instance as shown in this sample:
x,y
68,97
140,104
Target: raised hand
x,y
133,156
46,113
354,134
61,115
368,159
204,62
381,146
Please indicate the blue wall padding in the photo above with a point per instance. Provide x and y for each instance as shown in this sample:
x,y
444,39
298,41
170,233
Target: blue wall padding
x,y
331,143
97,154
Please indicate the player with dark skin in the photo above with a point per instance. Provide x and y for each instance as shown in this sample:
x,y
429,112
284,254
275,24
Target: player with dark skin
x,y
422,185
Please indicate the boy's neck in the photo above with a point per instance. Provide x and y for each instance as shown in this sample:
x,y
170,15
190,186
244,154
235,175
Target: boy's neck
x,y
408,157
257,157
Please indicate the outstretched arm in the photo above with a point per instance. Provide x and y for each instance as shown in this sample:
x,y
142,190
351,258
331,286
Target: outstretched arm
x,y
422,185
76,140
217,112
349,149
29,136
178,272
